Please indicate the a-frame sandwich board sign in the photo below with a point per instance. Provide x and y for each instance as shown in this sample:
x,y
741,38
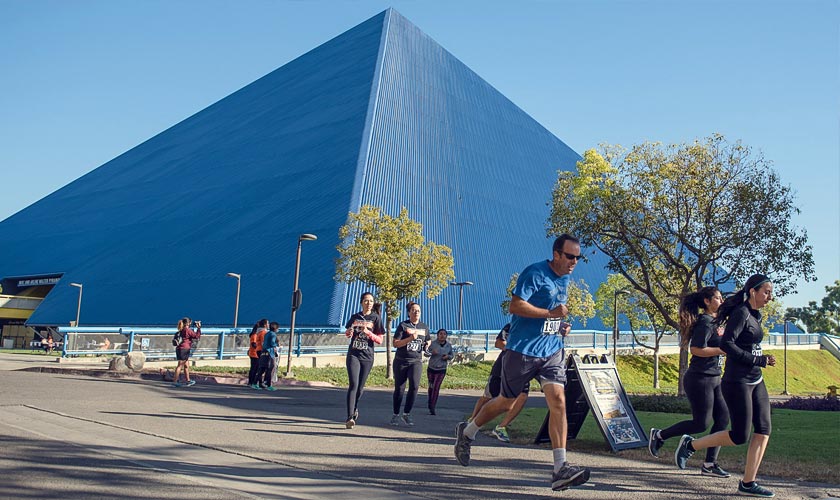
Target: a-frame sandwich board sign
x,y
593,383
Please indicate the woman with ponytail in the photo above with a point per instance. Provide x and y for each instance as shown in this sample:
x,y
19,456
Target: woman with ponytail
x,y
699,333
743,384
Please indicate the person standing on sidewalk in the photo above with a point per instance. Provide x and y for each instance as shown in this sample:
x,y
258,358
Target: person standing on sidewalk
x,y
409,339
440,354
535,346
742,384
268,357
255,350
494,386
184,339
699,333
364,329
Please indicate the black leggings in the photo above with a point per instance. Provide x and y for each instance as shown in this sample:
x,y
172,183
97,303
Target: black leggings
x,y
255,368
707,406
403,370
358,371
747,404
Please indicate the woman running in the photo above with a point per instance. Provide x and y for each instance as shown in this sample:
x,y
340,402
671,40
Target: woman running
x,y
742,384
409,339
363,329
702,380
440,354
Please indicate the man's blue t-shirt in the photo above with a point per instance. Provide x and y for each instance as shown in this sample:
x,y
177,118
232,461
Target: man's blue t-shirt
x,y
541,287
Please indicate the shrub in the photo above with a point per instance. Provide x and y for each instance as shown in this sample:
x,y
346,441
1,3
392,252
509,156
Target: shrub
x,y
812,404
661,403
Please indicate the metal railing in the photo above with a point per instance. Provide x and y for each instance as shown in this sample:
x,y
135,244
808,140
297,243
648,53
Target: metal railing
x,y
225,343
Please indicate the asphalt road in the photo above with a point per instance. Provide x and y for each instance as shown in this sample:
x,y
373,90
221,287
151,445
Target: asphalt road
x,y
77,436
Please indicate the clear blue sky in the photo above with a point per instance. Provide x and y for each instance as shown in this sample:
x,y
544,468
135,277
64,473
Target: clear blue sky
x,y
84,81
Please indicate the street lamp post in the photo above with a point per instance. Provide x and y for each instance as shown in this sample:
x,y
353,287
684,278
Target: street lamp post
x,y
461,285
79,304
236,310
787,318
615,321
296,299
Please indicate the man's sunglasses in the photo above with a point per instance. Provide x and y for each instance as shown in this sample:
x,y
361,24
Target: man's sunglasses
x,y
571,256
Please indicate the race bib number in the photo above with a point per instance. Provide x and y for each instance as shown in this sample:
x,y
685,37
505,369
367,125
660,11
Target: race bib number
x,y
554,326
756,350
415,345
721,359
360,342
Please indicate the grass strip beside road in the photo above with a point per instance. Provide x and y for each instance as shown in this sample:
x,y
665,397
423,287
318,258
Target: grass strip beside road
x,y
803,444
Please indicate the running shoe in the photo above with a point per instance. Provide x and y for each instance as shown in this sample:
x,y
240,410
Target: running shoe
x,y
501,434
350,423
462,444
176,384
682,453
190,382
754,491
715,470
255,386
272,388
654,443
356,414
432,411
406,417
395,420
568,476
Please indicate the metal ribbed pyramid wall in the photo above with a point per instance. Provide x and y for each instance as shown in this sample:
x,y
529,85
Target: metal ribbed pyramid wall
x,y
379,115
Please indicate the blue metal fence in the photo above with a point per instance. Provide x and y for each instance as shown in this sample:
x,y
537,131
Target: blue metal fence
x,y
226,343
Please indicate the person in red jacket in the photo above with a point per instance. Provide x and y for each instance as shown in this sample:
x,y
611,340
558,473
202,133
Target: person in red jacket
x,y
185,338
255,350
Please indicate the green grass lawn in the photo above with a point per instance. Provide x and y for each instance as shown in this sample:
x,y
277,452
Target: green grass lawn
x,y
37,352
803,444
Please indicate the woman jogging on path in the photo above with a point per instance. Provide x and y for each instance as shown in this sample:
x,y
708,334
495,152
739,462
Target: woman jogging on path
x,y
440,354
184,339
363,329
743,384
702,380
409,340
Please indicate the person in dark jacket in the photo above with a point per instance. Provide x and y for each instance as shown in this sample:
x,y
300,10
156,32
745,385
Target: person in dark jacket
x,y
182,351
742,384
702,337
268,357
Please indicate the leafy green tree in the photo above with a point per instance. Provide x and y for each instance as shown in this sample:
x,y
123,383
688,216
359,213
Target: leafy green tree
x,y
616,294
820,318
391,255
672,219
581,304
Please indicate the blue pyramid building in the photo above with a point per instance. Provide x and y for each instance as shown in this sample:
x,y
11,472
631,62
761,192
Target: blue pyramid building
x,y
379,115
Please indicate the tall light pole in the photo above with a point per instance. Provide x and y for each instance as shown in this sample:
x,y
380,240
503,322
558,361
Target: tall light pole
x,y
461,285
787,318
79,305
615,320
296,299
238,283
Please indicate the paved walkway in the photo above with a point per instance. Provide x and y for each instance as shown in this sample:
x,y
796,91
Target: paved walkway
x,y
67,435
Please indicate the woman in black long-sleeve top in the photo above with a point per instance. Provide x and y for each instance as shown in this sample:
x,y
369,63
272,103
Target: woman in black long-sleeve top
x,y
742,384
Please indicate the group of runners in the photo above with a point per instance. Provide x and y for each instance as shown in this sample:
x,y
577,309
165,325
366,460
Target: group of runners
x,y
716,331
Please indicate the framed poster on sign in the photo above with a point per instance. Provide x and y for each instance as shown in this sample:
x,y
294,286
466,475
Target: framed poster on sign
x,y
593,384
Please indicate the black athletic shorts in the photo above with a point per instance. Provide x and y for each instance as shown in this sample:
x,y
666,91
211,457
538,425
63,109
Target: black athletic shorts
x,y
182,354
518,370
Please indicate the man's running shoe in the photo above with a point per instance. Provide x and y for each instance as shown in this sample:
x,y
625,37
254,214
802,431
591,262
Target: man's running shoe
x,y
715,470
682,453
568,476
350,423
654,443
395,420
406,417
501,434
754,491
462,444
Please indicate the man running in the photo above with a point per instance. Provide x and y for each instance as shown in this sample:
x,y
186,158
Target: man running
x,y
535,348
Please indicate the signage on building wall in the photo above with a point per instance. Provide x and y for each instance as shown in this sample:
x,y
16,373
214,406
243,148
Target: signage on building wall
x,y
38,281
